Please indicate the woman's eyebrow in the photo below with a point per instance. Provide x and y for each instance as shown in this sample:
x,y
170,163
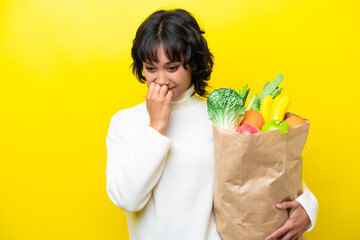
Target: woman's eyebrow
x,y
172,62
167,63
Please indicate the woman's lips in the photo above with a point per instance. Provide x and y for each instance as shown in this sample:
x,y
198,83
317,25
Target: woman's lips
x,y
171,88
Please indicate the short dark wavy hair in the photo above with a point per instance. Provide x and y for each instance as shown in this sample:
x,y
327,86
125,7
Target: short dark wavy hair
x,y
180,35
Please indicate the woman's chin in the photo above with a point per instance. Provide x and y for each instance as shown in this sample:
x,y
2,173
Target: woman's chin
x,y
174,98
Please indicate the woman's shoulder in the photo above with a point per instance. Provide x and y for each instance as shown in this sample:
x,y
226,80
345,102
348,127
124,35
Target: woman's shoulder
x,y
136,112
201,103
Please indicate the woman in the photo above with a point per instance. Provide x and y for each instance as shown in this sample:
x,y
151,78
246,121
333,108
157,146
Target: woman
x,y
160,167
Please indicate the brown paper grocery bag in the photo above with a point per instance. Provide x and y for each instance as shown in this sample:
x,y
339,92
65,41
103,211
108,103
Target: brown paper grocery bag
x,y
253,172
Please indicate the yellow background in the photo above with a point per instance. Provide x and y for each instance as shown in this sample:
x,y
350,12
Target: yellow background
x,y
64,70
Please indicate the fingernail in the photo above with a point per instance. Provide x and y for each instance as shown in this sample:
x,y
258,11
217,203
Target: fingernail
x,y
278,205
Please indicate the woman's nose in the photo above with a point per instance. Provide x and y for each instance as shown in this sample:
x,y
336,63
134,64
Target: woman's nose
x,y
162,79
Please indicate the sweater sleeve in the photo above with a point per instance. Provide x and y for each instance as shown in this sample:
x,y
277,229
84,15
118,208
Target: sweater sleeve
x,y
309,202
134,162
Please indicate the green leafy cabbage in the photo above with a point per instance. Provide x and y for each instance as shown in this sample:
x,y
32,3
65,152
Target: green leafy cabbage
x,y
225,108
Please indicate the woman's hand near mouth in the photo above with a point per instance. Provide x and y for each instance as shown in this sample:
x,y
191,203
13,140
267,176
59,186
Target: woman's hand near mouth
x,y
158,102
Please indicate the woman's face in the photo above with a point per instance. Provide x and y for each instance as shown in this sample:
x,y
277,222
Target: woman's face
x,y
171,74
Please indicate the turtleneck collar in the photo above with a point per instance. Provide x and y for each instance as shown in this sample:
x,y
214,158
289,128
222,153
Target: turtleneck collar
x,y
183,102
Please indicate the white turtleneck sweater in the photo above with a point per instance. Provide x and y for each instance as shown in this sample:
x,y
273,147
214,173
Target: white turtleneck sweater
x,y
165,182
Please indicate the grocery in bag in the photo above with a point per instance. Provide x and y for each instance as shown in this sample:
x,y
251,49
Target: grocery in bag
x,y
254,170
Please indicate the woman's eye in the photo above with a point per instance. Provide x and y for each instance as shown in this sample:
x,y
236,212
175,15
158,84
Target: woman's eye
x,y
150,69
173,68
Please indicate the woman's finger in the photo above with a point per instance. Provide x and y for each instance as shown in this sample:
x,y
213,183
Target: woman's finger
x,y
168,96
281,231
289,235
150,91
286,205
156,89
163,90
295,237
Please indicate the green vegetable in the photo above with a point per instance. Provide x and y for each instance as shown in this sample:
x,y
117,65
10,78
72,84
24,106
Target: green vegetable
x,y
254,103
275,93
225,108
271,88
243,92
